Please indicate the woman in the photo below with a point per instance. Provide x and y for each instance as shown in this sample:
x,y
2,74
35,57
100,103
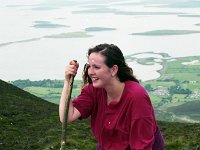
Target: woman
x,y
122,116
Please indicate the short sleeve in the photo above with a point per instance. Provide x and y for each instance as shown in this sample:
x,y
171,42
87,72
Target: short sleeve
x,y
84,102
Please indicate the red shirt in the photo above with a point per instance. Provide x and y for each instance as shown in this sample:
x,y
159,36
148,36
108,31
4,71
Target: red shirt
x,y
126,125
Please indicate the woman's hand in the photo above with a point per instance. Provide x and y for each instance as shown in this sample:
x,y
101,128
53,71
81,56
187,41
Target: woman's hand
x,y
71,69
73,114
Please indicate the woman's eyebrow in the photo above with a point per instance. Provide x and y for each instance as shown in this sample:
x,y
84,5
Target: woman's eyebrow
x,y
86,65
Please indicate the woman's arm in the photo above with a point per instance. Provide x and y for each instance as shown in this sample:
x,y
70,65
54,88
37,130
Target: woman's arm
x,y
73,113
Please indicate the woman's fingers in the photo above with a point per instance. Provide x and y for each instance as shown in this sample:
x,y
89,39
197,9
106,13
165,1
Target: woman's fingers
x,y
71,69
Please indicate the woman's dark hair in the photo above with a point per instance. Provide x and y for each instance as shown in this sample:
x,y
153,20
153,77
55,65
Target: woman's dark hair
x,y
113,56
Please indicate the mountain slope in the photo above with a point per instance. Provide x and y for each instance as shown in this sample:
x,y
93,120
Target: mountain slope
x,y
25,120
31,123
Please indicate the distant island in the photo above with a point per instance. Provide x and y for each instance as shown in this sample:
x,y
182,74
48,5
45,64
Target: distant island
x,y
69,35
90,29
166,32
47,24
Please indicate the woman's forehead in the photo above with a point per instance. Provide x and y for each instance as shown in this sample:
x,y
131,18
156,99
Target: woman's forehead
x,y
96,58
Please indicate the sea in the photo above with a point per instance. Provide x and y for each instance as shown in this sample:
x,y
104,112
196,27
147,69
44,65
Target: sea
x,y
39,37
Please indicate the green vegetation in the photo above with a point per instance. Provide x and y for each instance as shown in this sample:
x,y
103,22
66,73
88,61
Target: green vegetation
x,y
47,89
177,89
41,83
28,122
49,94
189,108
180,136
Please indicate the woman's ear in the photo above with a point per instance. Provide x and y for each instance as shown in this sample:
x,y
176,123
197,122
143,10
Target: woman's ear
x,y
114,70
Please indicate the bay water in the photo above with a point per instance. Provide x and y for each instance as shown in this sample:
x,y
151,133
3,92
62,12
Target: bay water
x,y
29,48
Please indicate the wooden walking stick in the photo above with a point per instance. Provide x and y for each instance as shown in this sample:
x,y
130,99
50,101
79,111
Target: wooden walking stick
x,y
64,124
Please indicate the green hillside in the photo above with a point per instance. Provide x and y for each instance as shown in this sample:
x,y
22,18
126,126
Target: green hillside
x,y
30,123
26,121
191,109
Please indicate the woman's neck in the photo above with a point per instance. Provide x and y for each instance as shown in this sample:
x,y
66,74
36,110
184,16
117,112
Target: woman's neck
x,y
115,91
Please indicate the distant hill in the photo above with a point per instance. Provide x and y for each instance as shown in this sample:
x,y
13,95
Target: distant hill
x,y
187,108
30,123
191,109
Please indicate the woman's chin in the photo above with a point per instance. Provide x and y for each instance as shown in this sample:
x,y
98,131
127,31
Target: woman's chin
x,y
96,84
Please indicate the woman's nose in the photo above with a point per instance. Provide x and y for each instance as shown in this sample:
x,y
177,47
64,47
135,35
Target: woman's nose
x,y
90,70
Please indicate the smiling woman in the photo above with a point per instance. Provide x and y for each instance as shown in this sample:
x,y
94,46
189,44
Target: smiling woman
x,y
122,116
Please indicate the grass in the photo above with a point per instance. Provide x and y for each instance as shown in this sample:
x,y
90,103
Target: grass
x,y
49,94
180,136
29,122
52,94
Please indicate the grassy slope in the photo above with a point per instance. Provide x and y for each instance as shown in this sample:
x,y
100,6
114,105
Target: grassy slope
x,y
191,109
28,122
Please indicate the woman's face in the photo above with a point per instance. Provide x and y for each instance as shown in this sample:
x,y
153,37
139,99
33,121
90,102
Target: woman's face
x,y
98,71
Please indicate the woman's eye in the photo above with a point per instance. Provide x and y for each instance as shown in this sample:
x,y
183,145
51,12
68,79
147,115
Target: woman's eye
x,y
96,67
87,65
